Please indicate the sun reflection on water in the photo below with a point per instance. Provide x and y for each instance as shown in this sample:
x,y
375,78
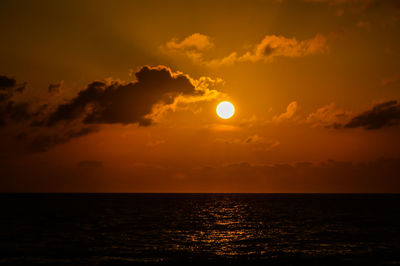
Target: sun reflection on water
x,y
225,229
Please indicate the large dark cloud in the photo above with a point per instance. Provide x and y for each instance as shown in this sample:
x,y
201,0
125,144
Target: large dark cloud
x,y
101,102
380,116
125,103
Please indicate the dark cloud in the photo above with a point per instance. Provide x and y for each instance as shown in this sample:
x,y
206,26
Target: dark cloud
x,y
11,111
17,112
55,88
44,142
101,102
81,132
381,115
7,83
125,103
21,87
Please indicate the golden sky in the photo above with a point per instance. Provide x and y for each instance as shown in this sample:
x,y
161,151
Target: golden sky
x,y
120,96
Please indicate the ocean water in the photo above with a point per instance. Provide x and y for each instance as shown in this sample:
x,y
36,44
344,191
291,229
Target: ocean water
x,y
243,229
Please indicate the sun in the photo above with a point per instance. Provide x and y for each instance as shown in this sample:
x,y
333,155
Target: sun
x,y
225,110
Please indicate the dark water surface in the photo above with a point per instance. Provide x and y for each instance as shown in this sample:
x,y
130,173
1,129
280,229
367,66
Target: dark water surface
x,y
268,229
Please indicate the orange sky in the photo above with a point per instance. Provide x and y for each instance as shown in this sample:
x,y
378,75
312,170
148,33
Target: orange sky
x,y
120,97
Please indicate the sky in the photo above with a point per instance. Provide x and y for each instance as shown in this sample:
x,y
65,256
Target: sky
x,y
121,96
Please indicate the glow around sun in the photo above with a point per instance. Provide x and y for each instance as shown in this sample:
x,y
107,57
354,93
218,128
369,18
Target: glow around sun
x,y
225,110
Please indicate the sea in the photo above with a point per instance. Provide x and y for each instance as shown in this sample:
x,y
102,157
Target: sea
x,y
200,229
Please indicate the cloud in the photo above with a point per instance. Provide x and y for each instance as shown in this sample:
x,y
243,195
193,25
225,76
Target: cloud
x,y
16,112
290,112
226,61
328,116
112,102
192,46
381,115
195,41
206,85
55,88
44,141
11,111
271,46
142,101
7,83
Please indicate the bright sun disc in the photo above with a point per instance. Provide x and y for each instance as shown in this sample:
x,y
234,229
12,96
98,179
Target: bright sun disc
x,y
225,110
